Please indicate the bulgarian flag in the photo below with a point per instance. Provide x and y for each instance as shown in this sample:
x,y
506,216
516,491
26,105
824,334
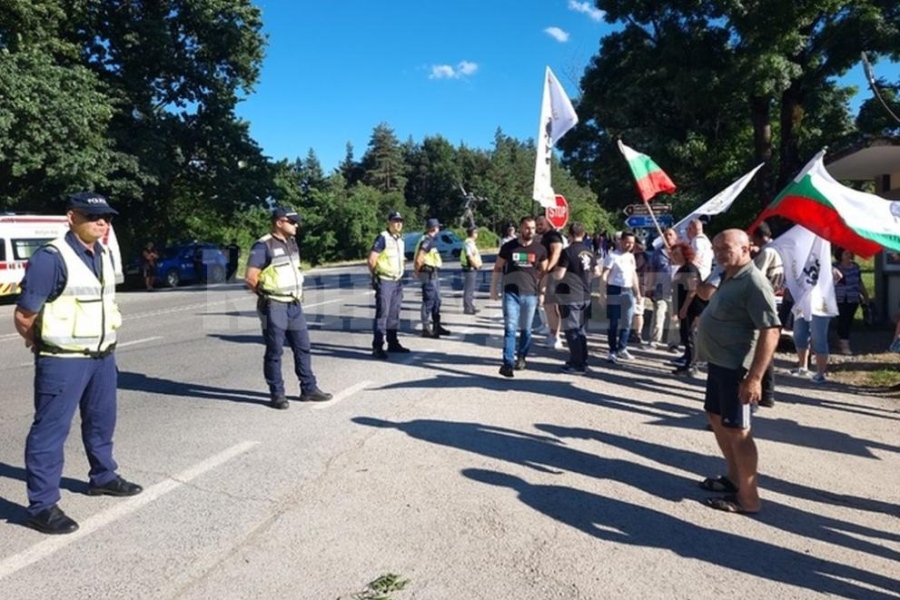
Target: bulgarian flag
x,y
649,177
859,222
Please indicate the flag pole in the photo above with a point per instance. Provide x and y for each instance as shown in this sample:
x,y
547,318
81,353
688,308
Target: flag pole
x,y
655,222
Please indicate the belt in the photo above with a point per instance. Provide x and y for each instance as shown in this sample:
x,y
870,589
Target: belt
x,y
87,353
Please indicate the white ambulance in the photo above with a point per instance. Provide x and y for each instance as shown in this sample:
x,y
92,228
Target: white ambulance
x,y
22,235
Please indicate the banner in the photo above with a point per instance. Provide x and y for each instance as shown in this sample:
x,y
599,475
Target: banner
x,y
808,274
557,117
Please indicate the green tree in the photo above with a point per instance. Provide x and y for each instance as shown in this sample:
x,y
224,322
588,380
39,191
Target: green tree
x,y
382,164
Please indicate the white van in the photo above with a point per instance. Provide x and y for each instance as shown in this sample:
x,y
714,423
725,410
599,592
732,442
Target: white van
x,y
448,244
22,235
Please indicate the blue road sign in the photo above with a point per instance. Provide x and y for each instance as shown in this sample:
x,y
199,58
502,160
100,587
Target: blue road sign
x,y
644,221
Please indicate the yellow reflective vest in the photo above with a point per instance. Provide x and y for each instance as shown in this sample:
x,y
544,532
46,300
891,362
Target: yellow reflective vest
x,y
83,320
281,280
391,260
432,257
469,247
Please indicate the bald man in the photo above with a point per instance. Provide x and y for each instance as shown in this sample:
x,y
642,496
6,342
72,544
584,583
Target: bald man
x,y
737,336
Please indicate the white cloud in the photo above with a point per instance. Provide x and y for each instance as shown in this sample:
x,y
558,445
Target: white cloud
x,y
557,34
587,8
463,69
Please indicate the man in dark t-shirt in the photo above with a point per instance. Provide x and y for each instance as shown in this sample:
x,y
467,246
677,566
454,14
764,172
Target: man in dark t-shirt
x,y
521,262
548,310
573,273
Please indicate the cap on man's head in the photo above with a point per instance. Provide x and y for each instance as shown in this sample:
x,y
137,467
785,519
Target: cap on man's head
x,y
90,203
395,216
285,212
432,223
471,229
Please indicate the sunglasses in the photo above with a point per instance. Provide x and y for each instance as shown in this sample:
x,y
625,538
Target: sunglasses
x,y
293,221
96,217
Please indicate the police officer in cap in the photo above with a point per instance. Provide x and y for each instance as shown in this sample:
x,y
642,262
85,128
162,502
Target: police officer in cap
x,y
427,266
387,263
273,273
68,315
470,261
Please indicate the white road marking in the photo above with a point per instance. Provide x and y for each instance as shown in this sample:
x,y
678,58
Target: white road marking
x,y
49,546
140,341
342,395
9,336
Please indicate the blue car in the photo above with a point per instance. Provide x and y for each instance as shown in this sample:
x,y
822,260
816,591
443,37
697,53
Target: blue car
x,y
193,262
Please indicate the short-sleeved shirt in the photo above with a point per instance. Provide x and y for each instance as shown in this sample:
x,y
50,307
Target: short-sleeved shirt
x,y
575,286
769,262
550,238
259,254
704,254
729,327
622,268
45,277
661,265
521,273
687,278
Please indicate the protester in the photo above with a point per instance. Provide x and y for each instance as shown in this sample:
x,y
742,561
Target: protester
x,y
737,335
662,331
688,305
573,274
702,247
622,293
769,262
521,263
848,291
552,241
149,257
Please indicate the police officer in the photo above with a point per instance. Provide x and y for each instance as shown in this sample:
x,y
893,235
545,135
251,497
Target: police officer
x,y
427,266
273,273
470,260
386,264
68,315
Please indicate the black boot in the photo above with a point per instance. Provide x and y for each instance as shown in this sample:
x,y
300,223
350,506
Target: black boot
x,y
438,329
393,344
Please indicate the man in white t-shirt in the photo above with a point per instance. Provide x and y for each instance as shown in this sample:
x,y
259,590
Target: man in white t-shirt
x,y
623,294
702,247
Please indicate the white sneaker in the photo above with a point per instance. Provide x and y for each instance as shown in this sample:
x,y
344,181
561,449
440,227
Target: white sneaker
x,y
557,344
800,372
611,358
625,355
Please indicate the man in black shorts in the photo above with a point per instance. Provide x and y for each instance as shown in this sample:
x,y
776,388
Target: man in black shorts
x,y
737,335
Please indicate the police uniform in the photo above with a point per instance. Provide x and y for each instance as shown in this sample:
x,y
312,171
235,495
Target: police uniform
x,y
470,272
280,291
429,275
71,289
387,279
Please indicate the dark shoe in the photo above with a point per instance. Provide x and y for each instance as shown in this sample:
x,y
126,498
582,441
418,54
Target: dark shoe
x,y
280,403
397,349
428,332
440,330
53,521
767,402
520,364
379,353
573,370
474,311
507,371
316,395
116,487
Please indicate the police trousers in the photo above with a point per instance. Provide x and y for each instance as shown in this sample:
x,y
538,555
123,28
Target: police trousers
x,y
60,386
388,301
284,322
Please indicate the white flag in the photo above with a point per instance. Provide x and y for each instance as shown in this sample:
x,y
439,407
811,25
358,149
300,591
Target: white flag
x,y
808,274
557,117
715,205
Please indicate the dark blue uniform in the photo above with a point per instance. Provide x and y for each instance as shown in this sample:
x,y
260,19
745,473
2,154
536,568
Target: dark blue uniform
x,y
431,287
388,302
63,384
282,321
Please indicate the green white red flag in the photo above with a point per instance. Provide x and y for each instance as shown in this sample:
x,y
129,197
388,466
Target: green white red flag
x,y
859,222
650,179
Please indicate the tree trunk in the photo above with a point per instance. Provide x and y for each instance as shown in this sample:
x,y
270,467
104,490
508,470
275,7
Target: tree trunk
x,y
761,117
791,119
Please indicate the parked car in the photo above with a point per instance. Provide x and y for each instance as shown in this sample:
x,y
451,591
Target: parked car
x,y
193,262
448,244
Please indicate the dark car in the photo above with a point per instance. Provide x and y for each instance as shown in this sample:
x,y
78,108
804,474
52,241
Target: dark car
x,y
192,262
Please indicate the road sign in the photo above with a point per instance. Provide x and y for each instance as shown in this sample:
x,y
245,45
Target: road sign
x,y
641,209
558,215
645,221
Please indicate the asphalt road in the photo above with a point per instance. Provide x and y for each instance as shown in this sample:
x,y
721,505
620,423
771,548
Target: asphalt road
x,y
435,468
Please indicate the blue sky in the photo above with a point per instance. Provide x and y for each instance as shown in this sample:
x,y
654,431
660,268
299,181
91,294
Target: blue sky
x,y
457,68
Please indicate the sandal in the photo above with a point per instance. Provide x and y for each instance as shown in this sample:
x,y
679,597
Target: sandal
x,y
729,504
718,484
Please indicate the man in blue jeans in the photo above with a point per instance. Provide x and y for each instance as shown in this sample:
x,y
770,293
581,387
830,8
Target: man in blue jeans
x,y
623,293
521,261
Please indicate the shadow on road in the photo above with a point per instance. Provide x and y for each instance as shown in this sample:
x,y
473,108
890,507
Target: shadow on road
x,y
139,382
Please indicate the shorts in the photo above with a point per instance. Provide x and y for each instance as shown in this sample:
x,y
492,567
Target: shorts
x,y
723,396
817,329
